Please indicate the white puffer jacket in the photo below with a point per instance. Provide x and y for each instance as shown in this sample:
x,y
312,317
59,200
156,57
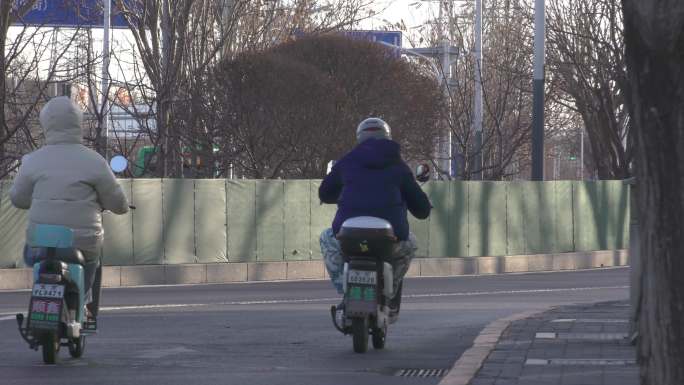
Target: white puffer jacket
x,y
65,183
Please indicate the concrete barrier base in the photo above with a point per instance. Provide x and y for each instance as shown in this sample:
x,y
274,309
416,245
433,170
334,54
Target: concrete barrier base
x,y
120,276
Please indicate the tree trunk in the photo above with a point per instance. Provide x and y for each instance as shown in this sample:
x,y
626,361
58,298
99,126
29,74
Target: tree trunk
x,y
653,38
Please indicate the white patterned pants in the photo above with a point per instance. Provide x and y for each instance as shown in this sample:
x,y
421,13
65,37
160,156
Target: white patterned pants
x,y
334,262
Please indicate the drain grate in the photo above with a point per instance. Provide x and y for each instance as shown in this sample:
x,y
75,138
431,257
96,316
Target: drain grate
x,y
422,373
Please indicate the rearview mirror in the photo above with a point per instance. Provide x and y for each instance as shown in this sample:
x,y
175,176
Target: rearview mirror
x,y
423,173
118,163
330,166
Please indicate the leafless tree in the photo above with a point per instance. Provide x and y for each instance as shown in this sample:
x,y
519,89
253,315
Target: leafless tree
x,y
506,82
507,89
8,131
586,52
180,41
33,66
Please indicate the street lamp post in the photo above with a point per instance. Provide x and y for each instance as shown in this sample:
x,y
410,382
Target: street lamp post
x,y
581,153
538,94
105,71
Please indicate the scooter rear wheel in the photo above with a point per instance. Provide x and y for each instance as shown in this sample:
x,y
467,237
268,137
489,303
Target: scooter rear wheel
x,y
360,334
50,342
77,346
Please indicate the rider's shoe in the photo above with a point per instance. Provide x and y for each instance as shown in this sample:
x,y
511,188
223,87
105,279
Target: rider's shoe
x,y
394,306
90,322
339,314
393,315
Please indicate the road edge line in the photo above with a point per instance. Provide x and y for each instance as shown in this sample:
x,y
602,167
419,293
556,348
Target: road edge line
x,y
470,362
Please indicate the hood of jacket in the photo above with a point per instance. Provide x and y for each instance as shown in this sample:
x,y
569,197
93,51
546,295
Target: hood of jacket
x,y
376,153
61,121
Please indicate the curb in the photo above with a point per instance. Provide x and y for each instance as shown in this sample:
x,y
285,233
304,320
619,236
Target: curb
x,y
228,272
465,368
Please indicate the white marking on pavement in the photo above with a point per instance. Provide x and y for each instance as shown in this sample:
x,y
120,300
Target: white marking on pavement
x,y
591,320
593,336
161,353
314,300
522,291
8,318
580,361
536,361
582,336
231,303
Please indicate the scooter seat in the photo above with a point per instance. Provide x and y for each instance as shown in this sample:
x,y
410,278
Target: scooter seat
x,y
64,254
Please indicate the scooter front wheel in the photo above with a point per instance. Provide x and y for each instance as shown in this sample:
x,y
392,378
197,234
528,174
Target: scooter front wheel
x,y
360,334
50,342
77,346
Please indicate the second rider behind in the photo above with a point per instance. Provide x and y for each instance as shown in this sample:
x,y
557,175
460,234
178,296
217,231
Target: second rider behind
x,y
373,180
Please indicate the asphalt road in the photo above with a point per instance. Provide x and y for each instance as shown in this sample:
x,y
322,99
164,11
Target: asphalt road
x,y
281,333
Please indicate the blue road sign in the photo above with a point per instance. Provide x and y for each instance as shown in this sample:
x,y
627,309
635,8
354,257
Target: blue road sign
x,y
390,37
69,14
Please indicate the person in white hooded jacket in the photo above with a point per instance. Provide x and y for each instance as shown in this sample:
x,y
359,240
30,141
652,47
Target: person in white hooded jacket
x,y
65,183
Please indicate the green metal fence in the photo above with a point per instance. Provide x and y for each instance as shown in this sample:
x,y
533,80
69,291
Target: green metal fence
x,y
203,221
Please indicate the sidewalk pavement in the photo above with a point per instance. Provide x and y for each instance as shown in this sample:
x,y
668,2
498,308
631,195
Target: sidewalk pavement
x,y
570,345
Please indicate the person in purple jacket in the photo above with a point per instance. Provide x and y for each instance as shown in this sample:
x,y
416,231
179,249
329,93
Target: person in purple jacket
x,y
373,180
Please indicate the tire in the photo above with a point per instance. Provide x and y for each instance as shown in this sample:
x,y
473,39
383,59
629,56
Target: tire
x,y
360,334
50,344
379,336
77,346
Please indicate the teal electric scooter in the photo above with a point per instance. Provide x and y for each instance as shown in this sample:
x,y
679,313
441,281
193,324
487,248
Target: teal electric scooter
x,y
56,314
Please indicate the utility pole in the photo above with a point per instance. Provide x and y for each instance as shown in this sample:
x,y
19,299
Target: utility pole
x,y
538,93
582,153
477,103
164,103
105,72
445,150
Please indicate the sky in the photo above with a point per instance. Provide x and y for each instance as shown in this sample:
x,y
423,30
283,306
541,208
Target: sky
x,y
413,13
